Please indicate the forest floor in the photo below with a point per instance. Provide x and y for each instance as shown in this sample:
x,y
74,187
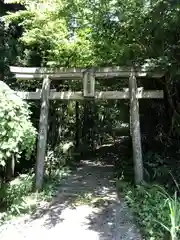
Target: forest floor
x,y
86,207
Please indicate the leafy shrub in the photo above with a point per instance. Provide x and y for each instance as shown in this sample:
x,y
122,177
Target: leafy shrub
x,y
17,188
62,155
16,131
12,195
155,167
19,198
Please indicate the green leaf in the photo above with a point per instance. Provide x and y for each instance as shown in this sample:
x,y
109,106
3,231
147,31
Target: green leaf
x,y
2,163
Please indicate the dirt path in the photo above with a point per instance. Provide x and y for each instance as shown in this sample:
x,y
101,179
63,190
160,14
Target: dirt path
x,y
86,208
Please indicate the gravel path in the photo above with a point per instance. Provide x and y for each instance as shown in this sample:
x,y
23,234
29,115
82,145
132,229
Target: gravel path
x,y
85,208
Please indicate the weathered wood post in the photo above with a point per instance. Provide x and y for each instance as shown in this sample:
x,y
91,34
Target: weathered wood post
x,y
42,137
130,123
135,128
89,93
89,84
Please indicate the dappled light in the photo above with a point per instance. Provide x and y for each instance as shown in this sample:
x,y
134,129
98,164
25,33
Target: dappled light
x,y
87,203
89,119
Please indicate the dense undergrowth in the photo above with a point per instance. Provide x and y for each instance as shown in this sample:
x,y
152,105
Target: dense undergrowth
x,y
17,197
155,204
156,212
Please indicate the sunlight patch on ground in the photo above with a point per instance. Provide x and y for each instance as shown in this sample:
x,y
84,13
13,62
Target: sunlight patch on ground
x,y
76,222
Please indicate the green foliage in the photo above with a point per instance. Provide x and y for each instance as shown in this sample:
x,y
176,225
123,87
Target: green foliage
x,y
17,134
13,193
155,167
61,156
17,197
83,33
174,206
52,182
48,27
155,210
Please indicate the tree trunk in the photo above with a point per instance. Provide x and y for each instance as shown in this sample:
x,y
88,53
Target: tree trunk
x,y
10,168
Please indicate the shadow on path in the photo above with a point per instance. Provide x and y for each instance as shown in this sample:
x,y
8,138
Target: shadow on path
x,y
90,179
87,207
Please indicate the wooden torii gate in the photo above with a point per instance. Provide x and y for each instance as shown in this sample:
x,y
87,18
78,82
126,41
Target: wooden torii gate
x,y
88,76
